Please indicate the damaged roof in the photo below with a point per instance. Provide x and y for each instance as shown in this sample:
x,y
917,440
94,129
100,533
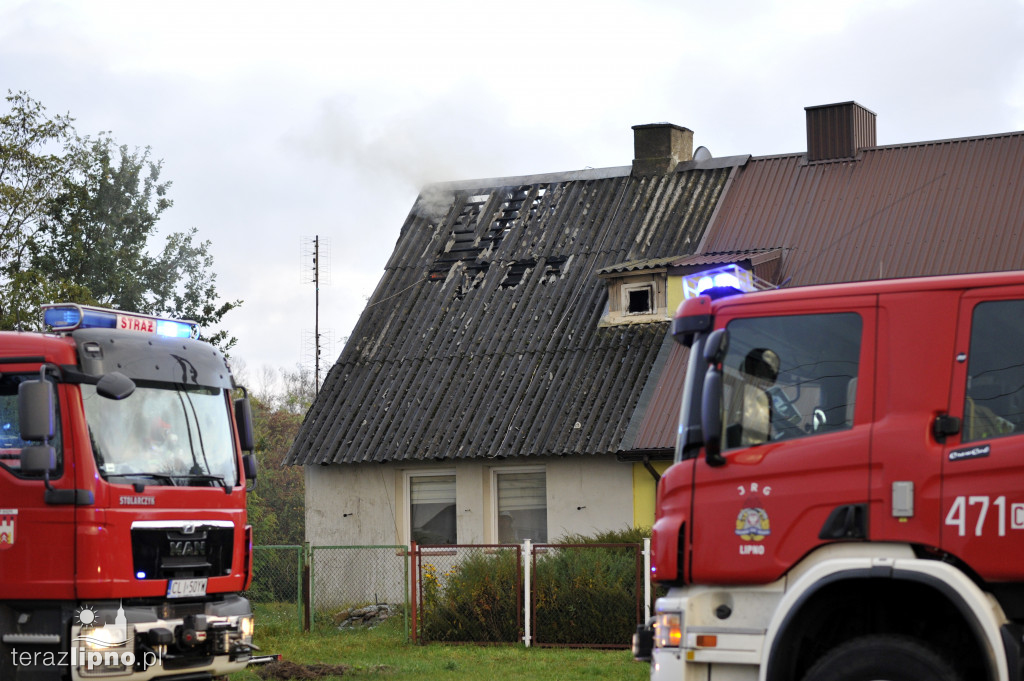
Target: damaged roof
x,y
482,337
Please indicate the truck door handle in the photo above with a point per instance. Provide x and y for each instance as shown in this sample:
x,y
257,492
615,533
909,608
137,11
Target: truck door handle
x,y
69,497
846,522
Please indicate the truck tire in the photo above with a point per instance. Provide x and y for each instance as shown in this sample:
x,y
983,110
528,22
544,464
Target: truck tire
x,y
882,658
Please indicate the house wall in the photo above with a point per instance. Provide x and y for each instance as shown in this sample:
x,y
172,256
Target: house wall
x,y
367,504
645,490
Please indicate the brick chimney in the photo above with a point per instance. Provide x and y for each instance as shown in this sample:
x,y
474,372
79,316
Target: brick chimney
x,y
838,131
659,147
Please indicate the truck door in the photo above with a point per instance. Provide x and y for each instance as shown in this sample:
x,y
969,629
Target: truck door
x,y
982,498
37,539
796,430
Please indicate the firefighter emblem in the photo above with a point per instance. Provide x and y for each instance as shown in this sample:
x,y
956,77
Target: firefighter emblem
x,y
8,521
752,523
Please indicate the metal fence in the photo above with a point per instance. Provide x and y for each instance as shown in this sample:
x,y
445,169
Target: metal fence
x,y
581,595
468,593
277,577
343,578
585,595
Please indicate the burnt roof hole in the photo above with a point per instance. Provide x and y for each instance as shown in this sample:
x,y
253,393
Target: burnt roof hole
x,y
472,278
462,245
517,271
554,269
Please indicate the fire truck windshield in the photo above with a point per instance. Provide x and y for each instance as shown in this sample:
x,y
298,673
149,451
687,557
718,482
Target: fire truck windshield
x,y
163,435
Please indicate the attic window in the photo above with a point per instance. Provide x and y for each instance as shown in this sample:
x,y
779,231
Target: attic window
x,y
638,299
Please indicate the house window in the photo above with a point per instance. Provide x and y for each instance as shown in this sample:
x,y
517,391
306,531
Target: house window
x,y
522,505
638,299
432,509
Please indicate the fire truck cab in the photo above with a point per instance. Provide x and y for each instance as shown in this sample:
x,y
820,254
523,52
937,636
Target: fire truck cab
x,y
847,496
123,538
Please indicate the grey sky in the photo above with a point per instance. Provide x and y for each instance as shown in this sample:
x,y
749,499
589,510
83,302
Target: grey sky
x,y
280,120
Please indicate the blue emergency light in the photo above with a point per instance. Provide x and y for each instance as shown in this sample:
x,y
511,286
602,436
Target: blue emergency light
x,y
64,317
731,275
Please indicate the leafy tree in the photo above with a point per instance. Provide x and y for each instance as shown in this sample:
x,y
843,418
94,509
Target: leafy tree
x,y
87,237
31,175
277,506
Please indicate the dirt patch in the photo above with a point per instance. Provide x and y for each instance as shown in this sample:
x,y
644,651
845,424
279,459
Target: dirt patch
x,y
289,671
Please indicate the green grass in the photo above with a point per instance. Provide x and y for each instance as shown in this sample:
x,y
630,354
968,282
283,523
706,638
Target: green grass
x,y
382,653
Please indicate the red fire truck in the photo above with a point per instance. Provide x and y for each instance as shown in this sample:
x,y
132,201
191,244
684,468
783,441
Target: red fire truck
x,y
123,536
846,501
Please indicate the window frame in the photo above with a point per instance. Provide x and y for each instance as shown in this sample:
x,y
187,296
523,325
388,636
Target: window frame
x,y
407,477
495,500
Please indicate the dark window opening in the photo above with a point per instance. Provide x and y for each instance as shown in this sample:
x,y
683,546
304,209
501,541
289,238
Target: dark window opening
x,y
640,300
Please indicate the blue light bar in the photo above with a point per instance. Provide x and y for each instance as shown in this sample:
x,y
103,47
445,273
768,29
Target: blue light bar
x,y
65,317
731,275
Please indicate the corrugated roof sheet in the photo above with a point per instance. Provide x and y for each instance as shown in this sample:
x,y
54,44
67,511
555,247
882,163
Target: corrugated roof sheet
x,y
944,207
482,338
904,210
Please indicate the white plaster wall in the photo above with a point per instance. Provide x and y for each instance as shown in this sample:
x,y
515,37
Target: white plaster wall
x,y
585,494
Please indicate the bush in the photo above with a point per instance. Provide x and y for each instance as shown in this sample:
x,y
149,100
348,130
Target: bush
x,y
587,594
476,600
583,594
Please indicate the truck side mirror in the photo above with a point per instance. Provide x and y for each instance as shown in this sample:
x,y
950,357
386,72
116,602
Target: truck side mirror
x,y
115,386
36,411
250,469
711,398
243,422
38,459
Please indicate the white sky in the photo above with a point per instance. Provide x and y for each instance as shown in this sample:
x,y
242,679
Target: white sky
x,y
277,121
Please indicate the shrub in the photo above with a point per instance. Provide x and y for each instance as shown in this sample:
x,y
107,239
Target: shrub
x,y
476,600
588,594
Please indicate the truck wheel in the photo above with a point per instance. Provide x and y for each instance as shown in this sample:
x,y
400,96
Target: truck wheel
x,y
882,658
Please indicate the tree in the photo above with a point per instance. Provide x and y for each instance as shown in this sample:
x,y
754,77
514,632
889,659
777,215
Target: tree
x,y
88,239
31,175
277,506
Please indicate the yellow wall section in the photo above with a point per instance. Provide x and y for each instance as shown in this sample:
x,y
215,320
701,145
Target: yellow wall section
x,y
644,492
674,292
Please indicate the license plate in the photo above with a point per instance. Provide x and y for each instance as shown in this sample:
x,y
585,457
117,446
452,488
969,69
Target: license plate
x,y
186,588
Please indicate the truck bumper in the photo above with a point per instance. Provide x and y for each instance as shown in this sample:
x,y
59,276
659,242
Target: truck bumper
x,y
165,641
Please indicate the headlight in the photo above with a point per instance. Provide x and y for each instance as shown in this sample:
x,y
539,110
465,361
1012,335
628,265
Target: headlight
x,y
245,625
668,630
102,638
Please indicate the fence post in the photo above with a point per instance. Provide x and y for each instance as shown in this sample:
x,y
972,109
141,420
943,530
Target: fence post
x,y
411,584
647,578
527,590
299,567
307,586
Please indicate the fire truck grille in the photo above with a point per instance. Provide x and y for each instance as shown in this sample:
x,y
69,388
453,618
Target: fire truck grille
x,y
170,553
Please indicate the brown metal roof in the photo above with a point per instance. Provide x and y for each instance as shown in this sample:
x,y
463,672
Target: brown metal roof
x,y
904,210
943,207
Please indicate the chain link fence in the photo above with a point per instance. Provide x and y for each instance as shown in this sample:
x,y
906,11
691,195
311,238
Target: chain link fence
x,y
583,595
469,594
276,589
356,581
586,595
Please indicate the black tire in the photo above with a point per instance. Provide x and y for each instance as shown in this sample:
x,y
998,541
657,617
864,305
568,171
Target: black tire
x,y
882,658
